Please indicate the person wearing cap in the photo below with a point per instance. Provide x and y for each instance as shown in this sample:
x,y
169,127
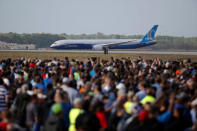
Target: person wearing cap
x,y
56,121
181,117
72,93
121,86
59,98
75,112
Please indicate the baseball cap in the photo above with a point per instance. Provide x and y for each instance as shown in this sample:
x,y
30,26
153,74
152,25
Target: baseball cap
x,y
57,108
65,80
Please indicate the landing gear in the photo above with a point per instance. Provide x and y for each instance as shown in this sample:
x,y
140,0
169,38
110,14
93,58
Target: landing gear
x,y
105,50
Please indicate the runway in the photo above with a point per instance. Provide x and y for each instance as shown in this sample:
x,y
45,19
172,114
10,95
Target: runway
x,y
111,51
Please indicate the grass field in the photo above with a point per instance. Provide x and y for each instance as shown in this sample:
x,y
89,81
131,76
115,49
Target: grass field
x,y
82,56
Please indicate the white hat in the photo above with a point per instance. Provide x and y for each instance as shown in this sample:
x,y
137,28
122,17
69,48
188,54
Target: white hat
x,y
6,81
41,96
29,92
65,80
166,71
120,86
109,68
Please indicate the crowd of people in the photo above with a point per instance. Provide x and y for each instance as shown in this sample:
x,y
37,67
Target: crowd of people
x,y
118,94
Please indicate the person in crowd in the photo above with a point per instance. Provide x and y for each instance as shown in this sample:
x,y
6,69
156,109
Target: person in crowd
x,y
55,122
72,93
59,98
75,112
4,96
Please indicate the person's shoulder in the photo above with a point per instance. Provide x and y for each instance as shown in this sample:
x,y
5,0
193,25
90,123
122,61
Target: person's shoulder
x,y
64,104
140,92
3,89
63,86
73,90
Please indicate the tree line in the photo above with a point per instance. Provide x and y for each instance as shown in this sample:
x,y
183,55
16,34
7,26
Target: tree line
x,y
44,40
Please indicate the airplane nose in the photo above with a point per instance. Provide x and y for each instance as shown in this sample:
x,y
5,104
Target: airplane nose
x,y
52,45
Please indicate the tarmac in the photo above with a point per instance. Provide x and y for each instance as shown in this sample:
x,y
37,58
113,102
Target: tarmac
x,y
112,51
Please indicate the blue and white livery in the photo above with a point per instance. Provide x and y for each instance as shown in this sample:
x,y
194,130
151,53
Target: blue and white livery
x,y
107,44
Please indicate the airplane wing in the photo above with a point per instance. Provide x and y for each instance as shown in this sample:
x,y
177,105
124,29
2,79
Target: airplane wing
x,y
110,45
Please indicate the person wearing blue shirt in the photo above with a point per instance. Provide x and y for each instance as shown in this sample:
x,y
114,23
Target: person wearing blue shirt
x,y
59,98
141,93
166,107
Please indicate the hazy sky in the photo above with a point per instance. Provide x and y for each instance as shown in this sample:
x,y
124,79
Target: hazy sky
x,y
130,17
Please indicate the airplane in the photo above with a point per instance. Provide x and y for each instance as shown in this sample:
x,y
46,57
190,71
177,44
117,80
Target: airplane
x,y
107,44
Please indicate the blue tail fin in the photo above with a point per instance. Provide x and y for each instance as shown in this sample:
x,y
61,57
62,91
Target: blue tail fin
x,y
150,35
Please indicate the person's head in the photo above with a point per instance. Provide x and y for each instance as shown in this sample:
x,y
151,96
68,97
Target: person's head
x,y
21,80
178,111
153,112
97,86
150,91
37,79
120,110
57,109
88,86
107,80
66,58
78,103
121,94
136,99
24,88
41,97
59,97
87,122
130,95
34,98
49,87
143,116
66,81
164,105
6,116
142,85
